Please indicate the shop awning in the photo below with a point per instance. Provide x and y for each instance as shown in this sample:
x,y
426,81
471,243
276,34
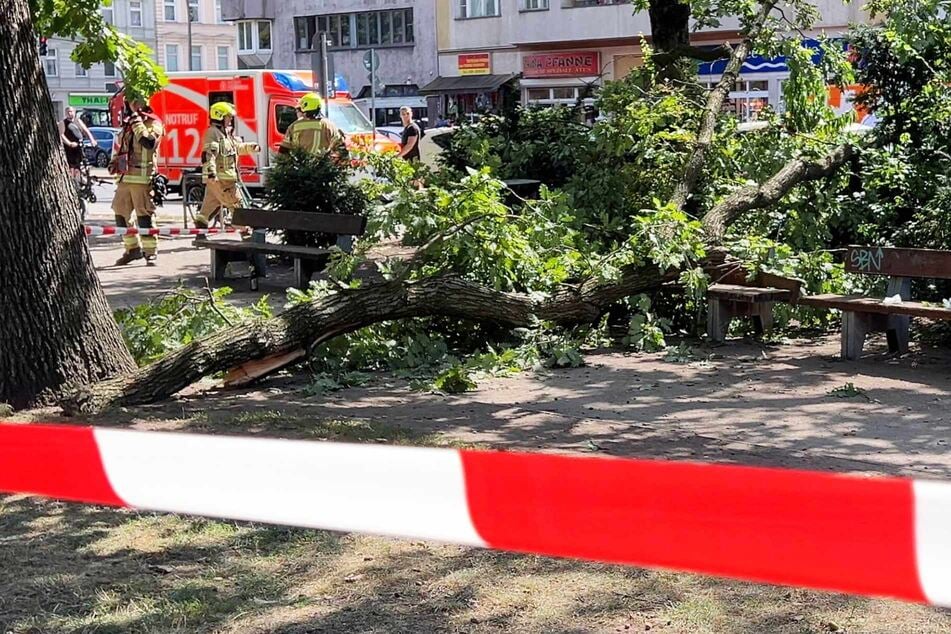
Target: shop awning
x,y
466,84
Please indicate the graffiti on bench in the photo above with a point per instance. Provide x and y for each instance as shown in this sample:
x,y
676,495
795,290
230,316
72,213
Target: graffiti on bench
x,y
867,259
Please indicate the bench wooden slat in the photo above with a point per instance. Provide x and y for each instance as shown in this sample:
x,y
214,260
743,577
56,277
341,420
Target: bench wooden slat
x,y
736,292
263,247
921,263
339,224
863,304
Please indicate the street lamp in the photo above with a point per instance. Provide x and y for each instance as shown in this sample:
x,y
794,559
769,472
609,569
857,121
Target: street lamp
x,y
191,18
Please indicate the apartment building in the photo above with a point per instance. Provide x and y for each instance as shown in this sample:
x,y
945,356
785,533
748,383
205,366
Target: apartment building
x,y
212,44
401,32
546,52
88,90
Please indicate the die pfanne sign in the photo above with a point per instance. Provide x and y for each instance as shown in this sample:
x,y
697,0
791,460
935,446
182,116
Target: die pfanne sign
x,y
570,64
475,64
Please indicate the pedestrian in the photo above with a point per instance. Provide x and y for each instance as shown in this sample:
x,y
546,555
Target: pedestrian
x,y
219,163
411,136
133,161
312,131
71,131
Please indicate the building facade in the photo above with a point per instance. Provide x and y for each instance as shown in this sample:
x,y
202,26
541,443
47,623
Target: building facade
x,y
213,44
281,34
560,50
88,90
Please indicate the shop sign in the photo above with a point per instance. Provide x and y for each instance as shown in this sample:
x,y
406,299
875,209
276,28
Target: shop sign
x,y
571,64
475,64
88,101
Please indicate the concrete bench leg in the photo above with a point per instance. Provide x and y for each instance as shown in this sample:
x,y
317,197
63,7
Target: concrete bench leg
x,y
219,262
763,318
303,270
855,328
258,261
897,333
719,316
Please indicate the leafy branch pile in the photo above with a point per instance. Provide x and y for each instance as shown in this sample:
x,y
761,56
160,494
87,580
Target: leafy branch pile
x,y
637,216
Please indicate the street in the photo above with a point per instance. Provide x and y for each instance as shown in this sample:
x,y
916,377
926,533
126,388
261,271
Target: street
x,y
179,263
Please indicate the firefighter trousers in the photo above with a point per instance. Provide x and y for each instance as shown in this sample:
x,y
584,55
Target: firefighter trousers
x,y
219,194
133,207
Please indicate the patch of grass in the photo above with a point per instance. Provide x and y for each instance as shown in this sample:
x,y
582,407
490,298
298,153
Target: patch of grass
x,y
847,391
273,422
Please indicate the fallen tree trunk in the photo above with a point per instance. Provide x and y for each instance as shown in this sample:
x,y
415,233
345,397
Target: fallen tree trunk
x,y
312,323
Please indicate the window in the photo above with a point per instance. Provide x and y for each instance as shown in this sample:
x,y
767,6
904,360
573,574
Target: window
x,y
534,5
557,96
108,69
193,13
479,8
170,10
80,71
50,65
245,36
356,30
254,36
107,15
195,58
284,116
264,36
747,99
218,19
224,58
135,12
171,58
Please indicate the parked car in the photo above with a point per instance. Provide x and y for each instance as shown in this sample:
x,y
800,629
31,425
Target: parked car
x,y
100,153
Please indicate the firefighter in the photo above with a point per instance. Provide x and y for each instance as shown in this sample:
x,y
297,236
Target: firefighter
x,y
219,163
313,132
133,160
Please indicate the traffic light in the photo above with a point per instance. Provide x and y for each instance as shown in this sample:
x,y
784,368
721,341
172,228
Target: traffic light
x,y
43,49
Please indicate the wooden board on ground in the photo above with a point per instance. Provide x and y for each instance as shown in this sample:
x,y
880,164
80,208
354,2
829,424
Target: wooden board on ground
x,y
254,370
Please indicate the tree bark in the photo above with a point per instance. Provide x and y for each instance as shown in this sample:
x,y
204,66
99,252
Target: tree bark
x,y
773,189
55,325
711,111
670,32
312,323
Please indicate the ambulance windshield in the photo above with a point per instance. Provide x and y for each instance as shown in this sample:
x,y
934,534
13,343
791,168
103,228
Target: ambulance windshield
x,y
349,118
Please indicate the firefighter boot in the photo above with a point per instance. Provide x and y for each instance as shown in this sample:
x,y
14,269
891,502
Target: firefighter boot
x,y
129,256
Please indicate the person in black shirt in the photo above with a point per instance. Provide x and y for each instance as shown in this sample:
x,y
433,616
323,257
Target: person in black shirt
x,y
72,130
411,136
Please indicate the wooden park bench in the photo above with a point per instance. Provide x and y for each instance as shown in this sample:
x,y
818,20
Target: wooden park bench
x,y
862,315
307,260
735,295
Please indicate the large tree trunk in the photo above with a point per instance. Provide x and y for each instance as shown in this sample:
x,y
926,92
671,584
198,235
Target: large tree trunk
x,y
55,324
309,324
670,33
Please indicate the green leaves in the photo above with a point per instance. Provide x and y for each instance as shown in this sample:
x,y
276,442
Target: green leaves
x,y
180,317
100,42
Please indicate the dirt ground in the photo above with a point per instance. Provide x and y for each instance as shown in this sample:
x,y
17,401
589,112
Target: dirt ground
x,y
72,568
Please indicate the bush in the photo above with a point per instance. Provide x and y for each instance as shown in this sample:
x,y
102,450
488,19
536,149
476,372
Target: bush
x,y
301,181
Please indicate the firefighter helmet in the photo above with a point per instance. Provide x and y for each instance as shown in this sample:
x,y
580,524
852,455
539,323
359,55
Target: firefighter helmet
x,y
310,102
218,110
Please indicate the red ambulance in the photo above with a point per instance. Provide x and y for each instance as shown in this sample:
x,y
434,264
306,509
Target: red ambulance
x,y
266,101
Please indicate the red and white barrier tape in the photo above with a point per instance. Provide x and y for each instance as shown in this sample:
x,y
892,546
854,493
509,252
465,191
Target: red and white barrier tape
x,y
95,230
871,536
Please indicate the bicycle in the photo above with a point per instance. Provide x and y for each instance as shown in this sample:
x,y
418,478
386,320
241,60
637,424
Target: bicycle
x,y
85,183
